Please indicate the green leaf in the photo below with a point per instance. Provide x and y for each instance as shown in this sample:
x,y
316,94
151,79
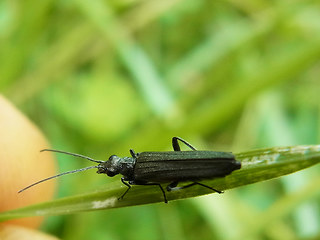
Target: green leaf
x,y
257,165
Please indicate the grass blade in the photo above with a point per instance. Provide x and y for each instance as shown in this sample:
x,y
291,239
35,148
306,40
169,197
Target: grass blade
x,y
258,165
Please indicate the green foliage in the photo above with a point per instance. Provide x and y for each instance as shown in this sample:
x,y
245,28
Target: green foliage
x,y
100,77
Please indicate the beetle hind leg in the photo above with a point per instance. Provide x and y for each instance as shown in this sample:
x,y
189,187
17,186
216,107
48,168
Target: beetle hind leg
x,y
176,146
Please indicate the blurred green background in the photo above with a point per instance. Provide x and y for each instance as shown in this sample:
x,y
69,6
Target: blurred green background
x,y
101,77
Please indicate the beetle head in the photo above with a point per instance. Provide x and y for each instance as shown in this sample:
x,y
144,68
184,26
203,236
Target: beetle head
x,y
111,167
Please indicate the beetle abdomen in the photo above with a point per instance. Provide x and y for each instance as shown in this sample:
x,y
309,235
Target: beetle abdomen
x,y
183,165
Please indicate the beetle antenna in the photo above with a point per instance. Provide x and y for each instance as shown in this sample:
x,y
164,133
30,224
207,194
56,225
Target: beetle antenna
x,y
72,154
58,175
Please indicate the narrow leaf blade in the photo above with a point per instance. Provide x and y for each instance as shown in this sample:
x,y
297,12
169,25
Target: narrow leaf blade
x,y
258,165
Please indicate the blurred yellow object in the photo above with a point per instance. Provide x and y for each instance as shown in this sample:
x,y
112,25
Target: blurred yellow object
x,y
11,232
21,163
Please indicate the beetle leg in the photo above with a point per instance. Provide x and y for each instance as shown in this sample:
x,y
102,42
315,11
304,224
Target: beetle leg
x,y
154,184
173,186
133,153
128,185
176,146
203,185
164,194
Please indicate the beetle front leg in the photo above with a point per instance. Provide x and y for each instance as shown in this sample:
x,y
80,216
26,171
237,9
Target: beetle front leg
x,y
128,185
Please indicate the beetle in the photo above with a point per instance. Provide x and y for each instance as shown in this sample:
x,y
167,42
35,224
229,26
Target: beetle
x,y
155,168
